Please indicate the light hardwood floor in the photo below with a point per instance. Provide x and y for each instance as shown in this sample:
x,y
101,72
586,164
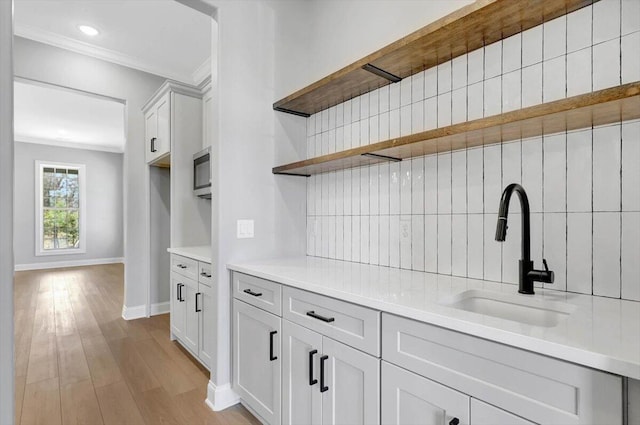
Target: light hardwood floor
x,y
78,362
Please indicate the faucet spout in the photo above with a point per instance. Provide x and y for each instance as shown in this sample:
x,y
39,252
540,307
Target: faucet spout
x,y
527,273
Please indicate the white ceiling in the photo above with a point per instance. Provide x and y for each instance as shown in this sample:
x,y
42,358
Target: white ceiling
x,y
163,37
55,116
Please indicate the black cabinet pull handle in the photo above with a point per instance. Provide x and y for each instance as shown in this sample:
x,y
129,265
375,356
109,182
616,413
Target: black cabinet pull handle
x,y
198,310
180,286
323,388
250,292
271,356
205,274
317,316
312,381
177,292
454,421
153,144
181,266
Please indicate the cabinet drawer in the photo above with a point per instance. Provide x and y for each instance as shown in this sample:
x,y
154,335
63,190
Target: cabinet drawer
x,y
262,293
533,386
184,266
204,274
354,325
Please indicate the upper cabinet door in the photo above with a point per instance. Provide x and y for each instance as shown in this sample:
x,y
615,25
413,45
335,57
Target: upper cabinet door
x,y
163,110
350,385
151,133
409,399
301,396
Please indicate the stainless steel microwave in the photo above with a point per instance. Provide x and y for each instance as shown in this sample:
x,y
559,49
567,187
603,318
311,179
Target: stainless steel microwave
x,y
202,173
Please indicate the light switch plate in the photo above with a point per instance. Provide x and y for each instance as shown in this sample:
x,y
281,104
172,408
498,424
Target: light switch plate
x,y
245,229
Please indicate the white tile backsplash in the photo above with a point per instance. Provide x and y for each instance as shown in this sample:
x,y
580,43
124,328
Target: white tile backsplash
x,y
437,213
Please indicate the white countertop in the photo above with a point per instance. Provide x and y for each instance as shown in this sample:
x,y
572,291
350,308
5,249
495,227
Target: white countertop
x,y
602,333
199,253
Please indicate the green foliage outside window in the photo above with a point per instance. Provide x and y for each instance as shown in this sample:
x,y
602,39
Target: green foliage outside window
x,y
61,208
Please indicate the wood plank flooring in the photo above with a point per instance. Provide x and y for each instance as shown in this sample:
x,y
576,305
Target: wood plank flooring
x,y
78,362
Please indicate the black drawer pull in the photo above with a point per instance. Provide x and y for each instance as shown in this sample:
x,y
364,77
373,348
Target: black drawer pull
x,y
250,292
205,274
323,388
181,266
454,421
271,356
198,310
317,316
312,381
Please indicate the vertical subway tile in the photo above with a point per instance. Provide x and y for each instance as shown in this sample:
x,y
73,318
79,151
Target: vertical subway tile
x,y
511,91
347,238
324,120
431,243
384,242
383,125
512,53
555,37
431,82
347,112
394,241
332,117
475,246
374,129
431,113
365,190
475,177
374,190
405,242
364,131
374,242
365,234
554,79
417,185
318,236
405,92
492,177
492,250
606,64
383,98
348,144
475,101
493,96
339,237
332,140
444,77
493,60
431,184
339,196
331,233
394,188
511,248
579,29
405,187
355,191
459,105
311,236
606,20
579,171
459,245
606,254
405,120
311,125
355,135
394,123
532,46
444,244
417,242
331,183
324,194
417,117
324,223
417,87
444,183
630,256
374,103
311,185
532,172
579,256
355,109
459,72
339,115
325,143
532,85
444,109
631,166
355,238
394,96
459,182
346,195
606,168
579,72
340,139
383,191
555,178
511,163
537,236
631,57
555,247
630,16
475,66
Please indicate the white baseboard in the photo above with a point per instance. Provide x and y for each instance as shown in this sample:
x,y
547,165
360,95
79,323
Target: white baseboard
x,y
220,398
140,311
64,264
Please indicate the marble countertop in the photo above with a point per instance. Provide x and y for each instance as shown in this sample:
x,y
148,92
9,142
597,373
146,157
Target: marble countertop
x,y
602,333
199,253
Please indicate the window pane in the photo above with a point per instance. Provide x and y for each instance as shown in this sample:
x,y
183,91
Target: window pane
x,y
61,196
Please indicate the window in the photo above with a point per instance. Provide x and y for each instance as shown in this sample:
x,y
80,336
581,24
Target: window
x,y
60,209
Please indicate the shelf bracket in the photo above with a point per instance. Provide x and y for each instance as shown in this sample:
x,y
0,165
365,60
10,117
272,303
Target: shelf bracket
x,y
381,73
382,157
292,174
289,111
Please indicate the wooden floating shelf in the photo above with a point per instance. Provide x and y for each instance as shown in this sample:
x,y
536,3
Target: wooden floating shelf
x,y
467,29
583,111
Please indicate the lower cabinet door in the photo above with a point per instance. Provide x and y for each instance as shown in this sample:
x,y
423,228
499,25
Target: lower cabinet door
x,y
257,360
350,384
178,309
409,399
191,329
486,414
206,311
301,396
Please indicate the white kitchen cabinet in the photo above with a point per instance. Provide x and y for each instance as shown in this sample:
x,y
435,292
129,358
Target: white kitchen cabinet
x,y
158,129
257,360
486,414
408,398
177,307
206,312
191,334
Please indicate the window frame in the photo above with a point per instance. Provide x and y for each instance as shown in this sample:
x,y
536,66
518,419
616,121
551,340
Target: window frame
x,y
82,208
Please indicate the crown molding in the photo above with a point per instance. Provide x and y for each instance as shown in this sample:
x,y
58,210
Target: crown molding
x,y
67,144
87,49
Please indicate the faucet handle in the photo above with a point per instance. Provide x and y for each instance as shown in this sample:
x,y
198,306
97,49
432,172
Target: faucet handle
x,y
546,267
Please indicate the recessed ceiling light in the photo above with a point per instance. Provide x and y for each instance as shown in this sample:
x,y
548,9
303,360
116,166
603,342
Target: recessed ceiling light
x,y
90,31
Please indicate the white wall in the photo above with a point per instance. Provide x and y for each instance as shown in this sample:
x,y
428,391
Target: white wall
x,y
6,214
57,66
104,225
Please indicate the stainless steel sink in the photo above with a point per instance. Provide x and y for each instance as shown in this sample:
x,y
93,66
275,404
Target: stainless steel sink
x,y
518,308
